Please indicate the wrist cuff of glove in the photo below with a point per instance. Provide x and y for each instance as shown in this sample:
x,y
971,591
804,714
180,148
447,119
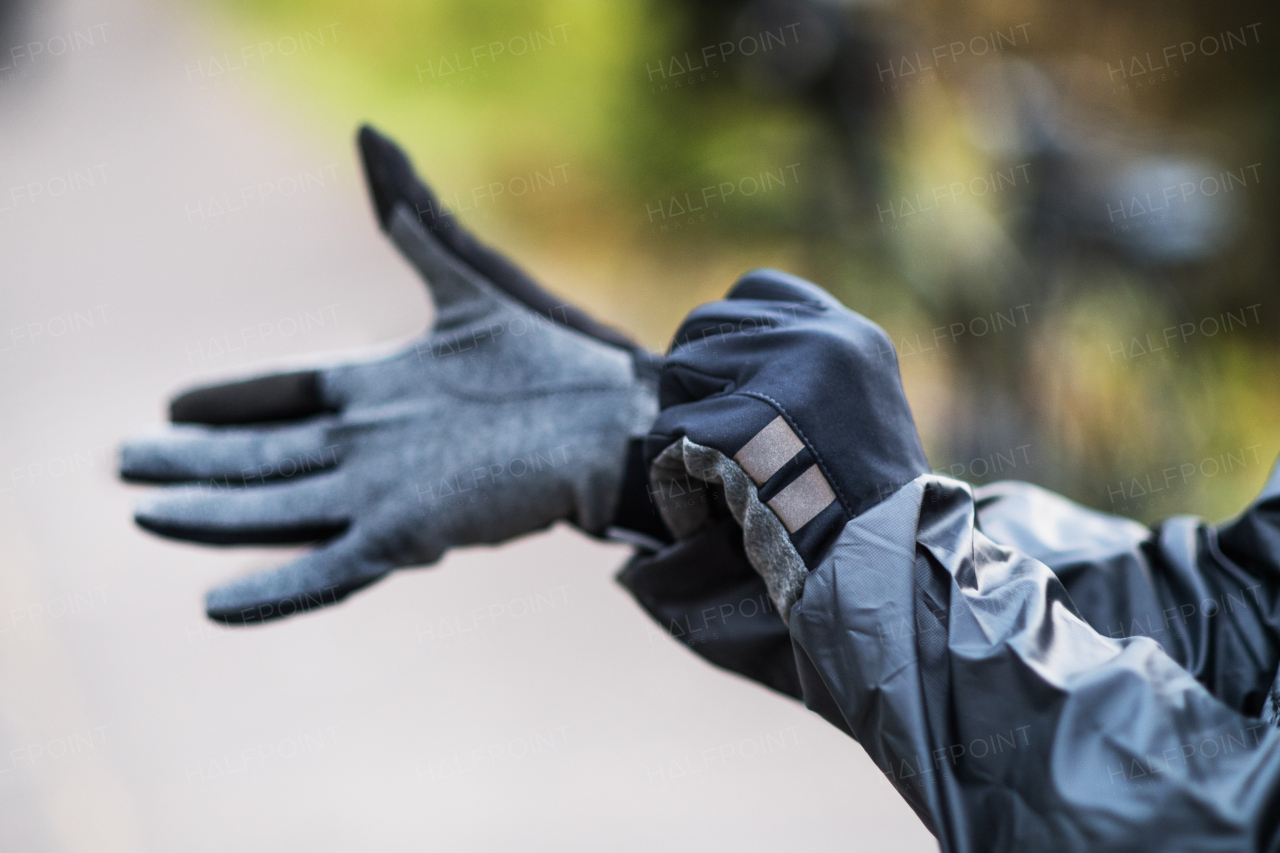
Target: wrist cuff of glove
x,y
704,593
636,519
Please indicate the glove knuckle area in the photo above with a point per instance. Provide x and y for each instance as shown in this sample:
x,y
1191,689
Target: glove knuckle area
x,y
810,302
751,337
776,286
727,323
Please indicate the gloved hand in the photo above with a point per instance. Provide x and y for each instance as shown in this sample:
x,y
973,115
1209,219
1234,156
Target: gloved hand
x,y
513,412
791,406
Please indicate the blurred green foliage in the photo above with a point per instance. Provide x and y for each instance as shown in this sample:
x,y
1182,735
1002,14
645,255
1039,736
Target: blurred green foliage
x,y
587,98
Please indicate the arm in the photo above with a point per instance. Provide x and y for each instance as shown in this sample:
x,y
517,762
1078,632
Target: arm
x,y
1210,596
1003,717
961,665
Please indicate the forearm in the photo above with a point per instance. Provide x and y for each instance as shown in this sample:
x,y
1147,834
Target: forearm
x,y
1209,596
1006,720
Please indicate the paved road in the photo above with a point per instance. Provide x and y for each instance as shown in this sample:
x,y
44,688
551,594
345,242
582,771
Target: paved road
x,y
510,698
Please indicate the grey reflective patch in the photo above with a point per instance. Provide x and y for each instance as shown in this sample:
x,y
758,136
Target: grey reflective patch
x,y
808,495
768,450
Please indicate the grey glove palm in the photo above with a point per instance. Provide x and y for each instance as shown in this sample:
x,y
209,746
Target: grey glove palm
x,y
510,414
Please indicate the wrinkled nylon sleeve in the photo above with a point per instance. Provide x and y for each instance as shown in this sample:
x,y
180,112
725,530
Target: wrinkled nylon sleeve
x,y
1210,596
1001,715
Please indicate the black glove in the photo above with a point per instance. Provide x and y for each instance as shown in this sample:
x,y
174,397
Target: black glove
x,y
791,405
753,387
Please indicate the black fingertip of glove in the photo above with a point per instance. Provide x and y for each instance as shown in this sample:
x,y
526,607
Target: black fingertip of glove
x,y
392,180
303,534
272,611
283,397
389,174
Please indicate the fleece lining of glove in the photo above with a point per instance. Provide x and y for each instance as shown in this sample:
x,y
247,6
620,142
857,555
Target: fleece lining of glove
x,y
768,548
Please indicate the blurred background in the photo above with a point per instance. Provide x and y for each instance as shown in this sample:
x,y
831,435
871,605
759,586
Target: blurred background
x,y
1063,214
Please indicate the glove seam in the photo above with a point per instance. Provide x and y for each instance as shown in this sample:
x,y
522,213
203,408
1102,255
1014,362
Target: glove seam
x,y
534,393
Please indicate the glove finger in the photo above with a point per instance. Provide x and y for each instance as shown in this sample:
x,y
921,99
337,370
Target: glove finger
x,y
318,578
461,295
274,514
234,456
393,182
282,397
